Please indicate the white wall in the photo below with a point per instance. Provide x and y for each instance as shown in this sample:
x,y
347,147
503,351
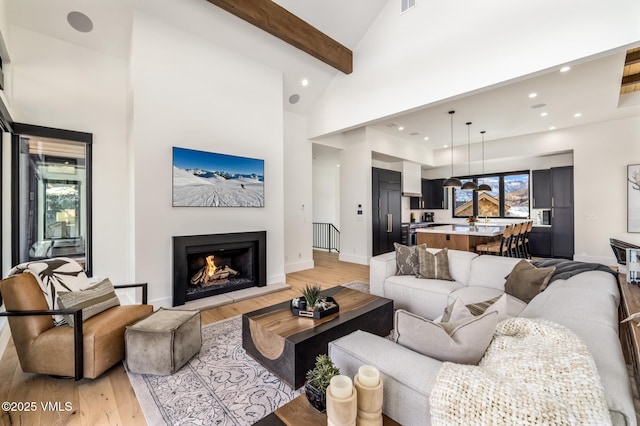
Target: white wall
x,y
298,198
355,178
190,92
326,185
409,60
61,85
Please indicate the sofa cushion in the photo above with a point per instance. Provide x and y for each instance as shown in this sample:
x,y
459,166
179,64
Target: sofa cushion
x,y
423,297
93,300
497,304
459,264
526,281
463,342
490,271
407,262
433,265
458,311
478,294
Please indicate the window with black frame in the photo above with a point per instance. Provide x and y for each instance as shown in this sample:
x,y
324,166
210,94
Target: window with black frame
x,y
508,198
51,194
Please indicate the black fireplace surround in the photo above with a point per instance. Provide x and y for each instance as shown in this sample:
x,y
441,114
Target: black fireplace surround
x,y
243,253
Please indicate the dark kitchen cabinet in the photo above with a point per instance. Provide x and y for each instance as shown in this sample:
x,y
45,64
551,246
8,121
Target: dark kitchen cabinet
x,y
540,241
438,195
434,196
562,212
553,190
541,189
387,205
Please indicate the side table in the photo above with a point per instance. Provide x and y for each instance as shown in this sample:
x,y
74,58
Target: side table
x,y
299,412
629,331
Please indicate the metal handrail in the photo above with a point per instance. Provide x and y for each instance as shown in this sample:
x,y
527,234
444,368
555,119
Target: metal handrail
x,y
326,236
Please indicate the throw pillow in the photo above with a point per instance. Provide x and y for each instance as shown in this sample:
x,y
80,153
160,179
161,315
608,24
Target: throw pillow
x,y
526,281
407,259
463,342
55,275
433,266
457,310
93,300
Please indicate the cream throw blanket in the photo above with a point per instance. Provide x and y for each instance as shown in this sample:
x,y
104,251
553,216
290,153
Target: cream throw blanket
x,y
534,372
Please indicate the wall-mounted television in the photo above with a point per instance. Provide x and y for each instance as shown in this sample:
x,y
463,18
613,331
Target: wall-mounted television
x,y
208,179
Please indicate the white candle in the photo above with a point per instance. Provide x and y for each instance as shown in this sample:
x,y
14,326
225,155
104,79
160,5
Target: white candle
x,y
368,376
341,386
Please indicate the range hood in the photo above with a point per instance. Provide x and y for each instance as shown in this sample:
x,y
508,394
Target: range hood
x,y
411,179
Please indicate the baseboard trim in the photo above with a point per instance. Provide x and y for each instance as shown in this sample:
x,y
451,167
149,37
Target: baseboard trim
x,y
298,266
361,260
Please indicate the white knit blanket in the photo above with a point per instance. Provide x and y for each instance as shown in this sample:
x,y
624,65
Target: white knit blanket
x,y
534,372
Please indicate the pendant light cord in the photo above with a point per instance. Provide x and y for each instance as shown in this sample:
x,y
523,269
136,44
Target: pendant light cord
x,y
451,115
469,146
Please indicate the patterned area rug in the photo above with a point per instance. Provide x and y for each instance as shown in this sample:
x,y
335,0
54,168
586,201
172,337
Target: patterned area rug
x,y
222,385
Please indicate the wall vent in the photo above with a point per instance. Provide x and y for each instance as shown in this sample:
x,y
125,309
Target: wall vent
x,y
407,4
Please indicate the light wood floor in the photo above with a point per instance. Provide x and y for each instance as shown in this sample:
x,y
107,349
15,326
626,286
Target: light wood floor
x,y
110,400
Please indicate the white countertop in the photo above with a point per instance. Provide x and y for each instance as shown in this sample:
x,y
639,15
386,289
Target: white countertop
x,y
480,230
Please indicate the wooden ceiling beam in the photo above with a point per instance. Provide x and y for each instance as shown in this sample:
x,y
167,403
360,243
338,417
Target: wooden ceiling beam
x,y
630,79
632,58
277,21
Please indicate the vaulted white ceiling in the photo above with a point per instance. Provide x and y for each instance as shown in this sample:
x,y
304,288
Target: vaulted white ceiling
x,y
591,88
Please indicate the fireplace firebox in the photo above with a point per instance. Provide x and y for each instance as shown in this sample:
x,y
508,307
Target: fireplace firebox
x,y
207,265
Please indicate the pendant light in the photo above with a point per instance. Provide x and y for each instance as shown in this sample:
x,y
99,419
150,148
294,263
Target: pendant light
x,y
484,187
469,185
452,182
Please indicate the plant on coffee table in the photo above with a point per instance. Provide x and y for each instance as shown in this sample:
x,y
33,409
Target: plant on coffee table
x,y
311,294
318,379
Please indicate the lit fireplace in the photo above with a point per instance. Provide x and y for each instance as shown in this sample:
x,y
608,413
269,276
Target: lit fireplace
x,y
206,265
210,274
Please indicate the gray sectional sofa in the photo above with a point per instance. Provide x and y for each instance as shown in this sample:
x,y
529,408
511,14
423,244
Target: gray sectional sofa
x,y
585,303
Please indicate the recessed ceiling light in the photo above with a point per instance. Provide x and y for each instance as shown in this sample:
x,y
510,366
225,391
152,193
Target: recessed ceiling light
x,y
538,105
544,114
445,146
552,128
533,94
426,138
304,82
577,114
565,69
401,128
80,22
293,99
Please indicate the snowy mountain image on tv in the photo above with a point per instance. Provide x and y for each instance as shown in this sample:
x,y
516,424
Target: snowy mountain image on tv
x,y
206,179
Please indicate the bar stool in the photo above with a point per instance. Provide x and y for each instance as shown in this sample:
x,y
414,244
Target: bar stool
x,y
501,247
526,246
514,249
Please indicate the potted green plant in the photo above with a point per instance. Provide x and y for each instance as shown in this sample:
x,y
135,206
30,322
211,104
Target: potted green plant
x,y
317,381
311,294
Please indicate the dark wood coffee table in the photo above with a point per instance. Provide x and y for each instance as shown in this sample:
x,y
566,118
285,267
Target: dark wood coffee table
x,y
288,345
299,412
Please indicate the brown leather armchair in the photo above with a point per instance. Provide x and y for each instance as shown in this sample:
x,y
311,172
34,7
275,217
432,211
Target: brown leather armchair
x,y
87,349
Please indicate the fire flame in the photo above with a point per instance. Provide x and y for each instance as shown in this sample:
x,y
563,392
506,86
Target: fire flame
x,y
211,267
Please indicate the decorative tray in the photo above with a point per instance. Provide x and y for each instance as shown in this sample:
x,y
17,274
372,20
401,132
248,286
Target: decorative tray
x,y
331,308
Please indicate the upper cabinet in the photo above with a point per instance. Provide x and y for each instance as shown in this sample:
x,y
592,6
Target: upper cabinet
x,y
411,179
541,189
434,196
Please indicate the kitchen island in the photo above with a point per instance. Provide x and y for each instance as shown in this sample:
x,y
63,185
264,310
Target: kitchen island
x,y
458,237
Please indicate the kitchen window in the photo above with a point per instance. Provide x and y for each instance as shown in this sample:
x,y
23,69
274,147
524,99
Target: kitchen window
x,y
508,198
